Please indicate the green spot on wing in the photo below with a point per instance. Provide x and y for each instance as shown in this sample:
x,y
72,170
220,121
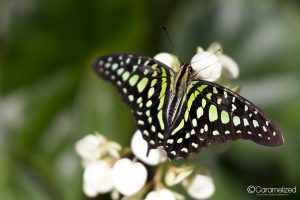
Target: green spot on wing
x,y
203,102
199,112
114,66
120,71
236,120
224,117
160,120
201,88
133,80
209,96
180,126
150,92
215,90
213,113
125,76
142,84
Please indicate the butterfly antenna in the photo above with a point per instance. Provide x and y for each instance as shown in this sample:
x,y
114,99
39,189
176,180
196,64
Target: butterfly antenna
x,y
171,43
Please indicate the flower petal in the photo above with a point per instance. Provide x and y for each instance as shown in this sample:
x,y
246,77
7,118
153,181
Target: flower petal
x,y
201,187
89,147
230,68
89,191
97,178
162,194
129,177
139,148
214,47
200,50
168,59
206,66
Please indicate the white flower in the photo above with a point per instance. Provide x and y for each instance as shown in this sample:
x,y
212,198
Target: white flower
x,y
206,66
97,178
139,148
162,194
168,59
128,176
230,68
201,187
88,147
95,146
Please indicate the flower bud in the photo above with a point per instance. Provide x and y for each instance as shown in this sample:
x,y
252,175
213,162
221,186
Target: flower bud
x,y
206,66
97,178
200,187
168,59
128,176
162,194
88,147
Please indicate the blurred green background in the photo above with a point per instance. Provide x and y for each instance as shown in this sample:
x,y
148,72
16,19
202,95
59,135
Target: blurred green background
x,y
50,97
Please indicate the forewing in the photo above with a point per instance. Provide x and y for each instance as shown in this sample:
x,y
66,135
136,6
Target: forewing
x,y
144,84
211,113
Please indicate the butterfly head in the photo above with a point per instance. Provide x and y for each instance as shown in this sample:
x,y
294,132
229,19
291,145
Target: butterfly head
x,y
183,77
185,72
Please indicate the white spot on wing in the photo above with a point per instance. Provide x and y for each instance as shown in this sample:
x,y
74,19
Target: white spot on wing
x,y
233,99
255,123
215,132
265,129
194,121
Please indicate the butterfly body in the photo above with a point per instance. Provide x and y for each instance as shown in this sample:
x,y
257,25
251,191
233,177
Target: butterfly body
x,y
180,113
178,91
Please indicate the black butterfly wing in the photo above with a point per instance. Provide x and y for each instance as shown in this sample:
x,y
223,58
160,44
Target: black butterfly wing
x,y
144,84
211,113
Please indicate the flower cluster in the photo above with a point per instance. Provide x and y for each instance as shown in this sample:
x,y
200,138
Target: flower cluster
x,y
106,171
127,172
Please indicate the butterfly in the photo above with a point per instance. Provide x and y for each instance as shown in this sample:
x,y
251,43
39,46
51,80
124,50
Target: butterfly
x,y
181,113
